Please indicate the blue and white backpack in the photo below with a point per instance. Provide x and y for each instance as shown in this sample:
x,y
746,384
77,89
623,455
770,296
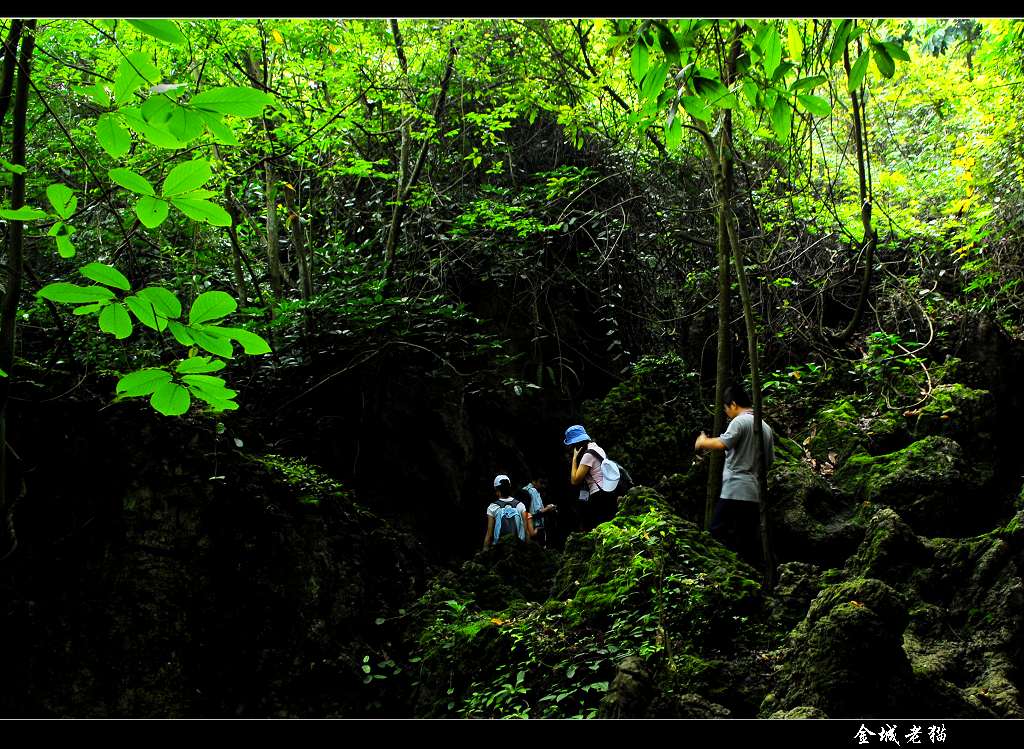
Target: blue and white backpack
x,y
508,519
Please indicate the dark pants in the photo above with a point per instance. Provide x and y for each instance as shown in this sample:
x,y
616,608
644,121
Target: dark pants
x,y
737,524
598,508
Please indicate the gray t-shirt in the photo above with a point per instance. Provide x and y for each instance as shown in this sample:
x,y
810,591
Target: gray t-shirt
x,y
739,477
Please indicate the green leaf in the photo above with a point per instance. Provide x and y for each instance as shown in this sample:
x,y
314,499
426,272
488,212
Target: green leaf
x,y
794,41
696,106
12,168
164,302
62,199
134,71
251,343
209,340
114,139
162,29
750,91
772,52
143,382
171,399
151,211
25,213
186,124
105,274
199,365
816,105
221,132
714,92
216,404
203,210
835,53
88,309
213,385
211,305
158,136
65,247
144,312
186,177
782,118
883,61
181,334
242,101
808,83
639,61
69,293
860,67
115,319
673,134
654,81
97,92
896,51
132,181
668,43
157,110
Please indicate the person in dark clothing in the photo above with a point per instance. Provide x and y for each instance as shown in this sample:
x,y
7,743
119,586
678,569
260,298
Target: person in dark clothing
x,y
736,521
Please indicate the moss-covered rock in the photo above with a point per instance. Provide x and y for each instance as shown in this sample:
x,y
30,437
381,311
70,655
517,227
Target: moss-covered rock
x,y
809,521
798,713
846,658
649,421
797,585
955,411
646,586
836,433
890,551
928,483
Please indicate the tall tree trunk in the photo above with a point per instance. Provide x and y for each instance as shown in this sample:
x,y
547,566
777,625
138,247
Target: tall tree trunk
x,y
406,182
236,249
724,179
870,235
12,294
270,191
10,63
299,243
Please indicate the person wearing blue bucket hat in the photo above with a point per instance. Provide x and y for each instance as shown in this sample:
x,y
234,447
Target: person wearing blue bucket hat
x,y
595,505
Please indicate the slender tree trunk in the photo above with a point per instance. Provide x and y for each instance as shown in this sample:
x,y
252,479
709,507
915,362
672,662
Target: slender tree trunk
x,y
299,243
10,63
270,191
12,294
870,235
406,183
236,249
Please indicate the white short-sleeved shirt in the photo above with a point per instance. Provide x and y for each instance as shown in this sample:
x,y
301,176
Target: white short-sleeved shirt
x,y
595,475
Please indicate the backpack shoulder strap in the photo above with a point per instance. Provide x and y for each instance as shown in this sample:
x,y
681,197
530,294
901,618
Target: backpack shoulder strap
x,y
596,454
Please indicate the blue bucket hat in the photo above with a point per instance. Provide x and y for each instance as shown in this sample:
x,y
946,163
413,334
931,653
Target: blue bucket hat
x,y
576,433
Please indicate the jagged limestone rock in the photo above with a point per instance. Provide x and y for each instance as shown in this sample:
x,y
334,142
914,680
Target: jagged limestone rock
x,y
846,658
927,483
890,551
809,522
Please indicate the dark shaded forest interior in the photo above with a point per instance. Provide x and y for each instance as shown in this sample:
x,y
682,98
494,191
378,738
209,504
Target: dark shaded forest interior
x,y
282,297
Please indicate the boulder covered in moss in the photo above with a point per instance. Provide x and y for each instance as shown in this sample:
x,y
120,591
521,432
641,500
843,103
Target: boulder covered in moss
x,y
955,411
931,484
836,433
809,521
846,658
649,421
890,551
635,600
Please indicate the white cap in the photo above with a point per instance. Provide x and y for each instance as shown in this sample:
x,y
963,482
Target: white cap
x,y
499,478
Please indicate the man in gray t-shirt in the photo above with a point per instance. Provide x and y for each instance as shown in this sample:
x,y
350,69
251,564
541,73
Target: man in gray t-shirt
x,y
737,515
